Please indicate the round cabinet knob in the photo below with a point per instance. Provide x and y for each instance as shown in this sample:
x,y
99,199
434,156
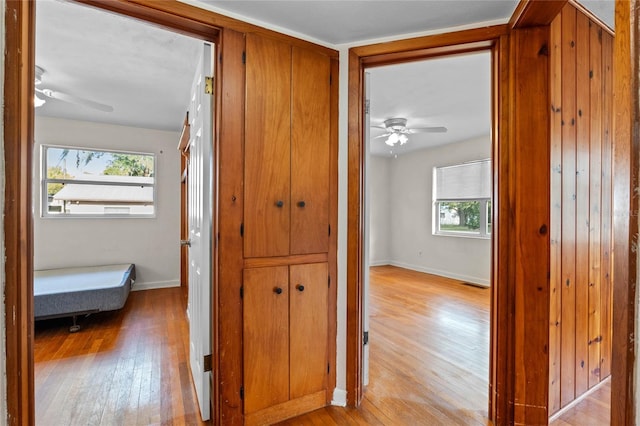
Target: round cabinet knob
x,y
300,287
301,204
277,290
279,203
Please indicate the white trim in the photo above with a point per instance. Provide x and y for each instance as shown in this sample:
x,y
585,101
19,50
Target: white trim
x,y
578,400
154,285
339,398
482,282
379,262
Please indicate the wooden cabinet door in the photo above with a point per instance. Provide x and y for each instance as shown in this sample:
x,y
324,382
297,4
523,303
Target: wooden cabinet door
x,y
267,167
265,337
308,305
310,143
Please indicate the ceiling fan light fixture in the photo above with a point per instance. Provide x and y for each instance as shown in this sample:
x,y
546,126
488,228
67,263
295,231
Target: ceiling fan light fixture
x,y
392,139
37,102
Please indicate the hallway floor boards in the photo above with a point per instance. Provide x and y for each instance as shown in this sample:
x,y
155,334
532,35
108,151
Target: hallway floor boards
x,y
128,367
429,354
429,343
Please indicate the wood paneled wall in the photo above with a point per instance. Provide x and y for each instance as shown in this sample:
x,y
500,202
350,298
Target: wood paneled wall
x,y
581,212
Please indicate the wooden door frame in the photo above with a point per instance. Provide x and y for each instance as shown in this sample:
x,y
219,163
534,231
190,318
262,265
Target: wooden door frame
x,y
493,39
228,34
504,382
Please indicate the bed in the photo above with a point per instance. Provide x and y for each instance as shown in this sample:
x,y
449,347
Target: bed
x,y
70,292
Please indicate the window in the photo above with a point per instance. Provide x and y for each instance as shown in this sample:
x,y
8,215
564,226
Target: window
x,y
462,199
87,182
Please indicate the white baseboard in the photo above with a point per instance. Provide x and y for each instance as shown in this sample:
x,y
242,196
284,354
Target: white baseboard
x,y
379,262
482,282
154,285
339,397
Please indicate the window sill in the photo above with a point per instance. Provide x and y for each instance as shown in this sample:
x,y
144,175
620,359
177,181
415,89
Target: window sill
x,y
462,235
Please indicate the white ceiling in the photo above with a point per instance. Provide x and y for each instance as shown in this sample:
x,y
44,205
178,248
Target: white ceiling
x,y
145,72
348,21
454,92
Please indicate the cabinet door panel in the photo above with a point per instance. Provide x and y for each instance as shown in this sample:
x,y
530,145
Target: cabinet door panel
x,y
310,143
266,337
267,170
308,328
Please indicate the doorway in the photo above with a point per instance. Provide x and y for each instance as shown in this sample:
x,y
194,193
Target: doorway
x,y
365,57
100,136
427,241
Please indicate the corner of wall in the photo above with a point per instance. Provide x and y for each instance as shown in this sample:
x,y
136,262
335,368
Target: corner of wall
x,y
339,397
3,378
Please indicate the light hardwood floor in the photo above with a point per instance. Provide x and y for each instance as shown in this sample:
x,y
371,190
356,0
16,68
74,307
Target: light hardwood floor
x,y
429,359
430,356
429,342
593,410
122,368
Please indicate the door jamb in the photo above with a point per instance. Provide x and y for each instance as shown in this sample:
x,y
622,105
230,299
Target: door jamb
x,y
360,58
18,149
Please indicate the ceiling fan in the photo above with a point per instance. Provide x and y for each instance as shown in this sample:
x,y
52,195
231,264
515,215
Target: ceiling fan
x,y
397,131
61,96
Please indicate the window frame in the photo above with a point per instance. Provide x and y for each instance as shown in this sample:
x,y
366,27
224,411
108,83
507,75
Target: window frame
x,y
486,203
45,181
485,219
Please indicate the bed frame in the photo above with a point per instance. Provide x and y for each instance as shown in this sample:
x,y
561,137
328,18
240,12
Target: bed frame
x,y
70,292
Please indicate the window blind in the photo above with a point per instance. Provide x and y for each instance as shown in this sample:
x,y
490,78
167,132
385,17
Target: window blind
x,y
463,181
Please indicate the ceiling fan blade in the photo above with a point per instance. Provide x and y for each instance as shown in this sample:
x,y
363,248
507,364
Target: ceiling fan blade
x,y
75,100
382,136
428,130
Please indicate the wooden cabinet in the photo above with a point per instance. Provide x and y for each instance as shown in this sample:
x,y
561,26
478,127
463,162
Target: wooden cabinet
x,y
285,332
287,149
285,231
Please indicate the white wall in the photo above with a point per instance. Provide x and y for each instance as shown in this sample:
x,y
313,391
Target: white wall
x,y
3,377
409,224
379,210
153,244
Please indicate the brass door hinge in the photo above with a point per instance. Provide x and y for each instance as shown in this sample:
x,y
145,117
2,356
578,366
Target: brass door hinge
x,y
208,85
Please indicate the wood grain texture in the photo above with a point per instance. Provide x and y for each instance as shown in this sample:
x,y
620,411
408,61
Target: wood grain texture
x,y
555,290
625,154
529,51
429,354
531,13
596,192
19,66
310,149
265,330
354,234
308,328
582,197
578,153
501,382
291,408
568,244
230,153
430,46
123,367
260,262
267,161
606,208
